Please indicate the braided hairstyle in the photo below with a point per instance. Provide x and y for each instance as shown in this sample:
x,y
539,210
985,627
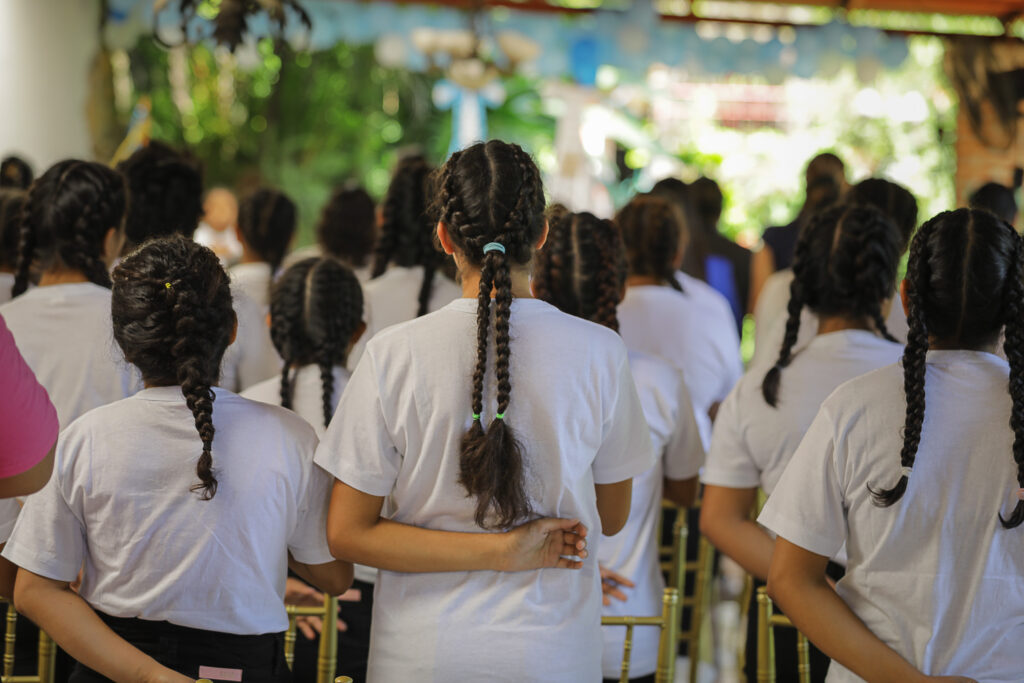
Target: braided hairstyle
x,y
266,221
997,198
315,309
965,282
347,226
492,193
65,220
845,263
654,232
172,315
11,203
582,268
165,193
892,199
407,226
15,173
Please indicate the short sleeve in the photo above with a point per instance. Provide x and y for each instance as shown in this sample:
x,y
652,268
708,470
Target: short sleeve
x,y
28,420
729,461
49,537
9,510
807,505
684,453
357,447
626,449
308,540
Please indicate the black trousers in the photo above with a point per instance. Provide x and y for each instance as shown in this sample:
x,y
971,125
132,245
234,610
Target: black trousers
x,y
260,658
353,644
785,642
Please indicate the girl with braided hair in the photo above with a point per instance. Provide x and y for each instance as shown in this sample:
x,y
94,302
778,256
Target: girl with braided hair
x,y
919,468
71,232
266,226
549,424
845,272
409,272
582,270
660,318
183,538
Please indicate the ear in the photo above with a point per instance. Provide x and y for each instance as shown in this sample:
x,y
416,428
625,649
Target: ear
x,y
358,334
445,239
269,321
113,242
543,237
904,299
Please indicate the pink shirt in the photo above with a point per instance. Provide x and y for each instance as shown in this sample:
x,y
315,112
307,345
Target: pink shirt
x,y
28,421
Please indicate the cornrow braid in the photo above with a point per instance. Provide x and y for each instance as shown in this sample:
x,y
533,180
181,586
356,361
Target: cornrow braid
x,y
772,379
173,318
491,201
67,215
1013,345
654,232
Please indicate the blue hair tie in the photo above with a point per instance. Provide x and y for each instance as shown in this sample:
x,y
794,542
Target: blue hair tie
x,y
494,246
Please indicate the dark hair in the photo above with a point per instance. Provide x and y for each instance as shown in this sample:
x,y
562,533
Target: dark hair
x,y
15,173
996,198
65,220
653,231
707,202
172,315
492,192
315,308
845,263
165,193
407,226
266,221
965,282
825,165
11,203
347,226
822,192
892,199
582,268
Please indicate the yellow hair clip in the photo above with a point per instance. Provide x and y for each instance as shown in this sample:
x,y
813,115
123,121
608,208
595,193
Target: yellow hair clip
x,y
167,285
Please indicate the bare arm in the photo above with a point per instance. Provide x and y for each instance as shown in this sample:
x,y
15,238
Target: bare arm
x,y
797,582
8,572
72,623
333,578
357,533
682,492
725,520
613,502
29,481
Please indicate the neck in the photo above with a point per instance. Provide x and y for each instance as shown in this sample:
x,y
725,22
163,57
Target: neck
x,y
935,344
643,281
62,277
249,256
838,323
470,279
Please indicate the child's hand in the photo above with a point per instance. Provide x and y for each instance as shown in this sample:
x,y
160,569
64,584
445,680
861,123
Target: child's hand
x,y
610,582
547,542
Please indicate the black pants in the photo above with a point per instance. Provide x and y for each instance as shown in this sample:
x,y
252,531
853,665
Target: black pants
x,y
785,642
353,644
185,650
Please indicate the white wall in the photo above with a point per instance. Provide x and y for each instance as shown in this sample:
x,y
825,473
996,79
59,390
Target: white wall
x,y
46,49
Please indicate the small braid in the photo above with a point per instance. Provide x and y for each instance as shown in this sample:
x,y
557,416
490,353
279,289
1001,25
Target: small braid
x,y
327,391
26,249
770,384
12,201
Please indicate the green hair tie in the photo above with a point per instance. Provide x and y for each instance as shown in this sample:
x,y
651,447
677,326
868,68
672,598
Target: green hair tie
x,y
476,416
499,416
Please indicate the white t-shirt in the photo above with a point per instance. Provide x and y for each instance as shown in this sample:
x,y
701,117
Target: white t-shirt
x,y
397,432
770,316
679,328
393,298
252,357
752,442
224,243
935,576
633,552
6,282
119,502
9,510
254,280
65,334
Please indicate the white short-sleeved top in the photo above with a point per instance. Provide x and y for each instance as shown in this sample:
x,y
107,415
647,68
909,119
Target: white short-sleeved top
x,y
935,576
633,552
6,283
677,327
397,433
254,280
251,358
752,442
708,299
119,503
394,297
65,334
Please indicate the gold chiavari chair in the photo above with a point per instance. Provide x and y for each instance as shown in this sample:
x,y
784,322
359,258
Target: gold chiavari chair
x,y
767,621
342,679
327,657
47,653
669,624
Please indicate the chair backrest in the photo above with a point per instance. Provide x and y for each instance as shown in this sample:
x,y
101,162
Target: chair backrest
x,y
767,621
47,652
669,624
327,654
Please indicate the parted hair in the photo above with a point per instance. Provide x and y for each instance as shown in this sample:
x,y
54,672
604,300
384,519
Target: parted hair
x,y
165,193
892,199
12,201
965,282
266,221
407,226
492,192
347,226
654,232
845,263
65,219
582,268
173,319
315,308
